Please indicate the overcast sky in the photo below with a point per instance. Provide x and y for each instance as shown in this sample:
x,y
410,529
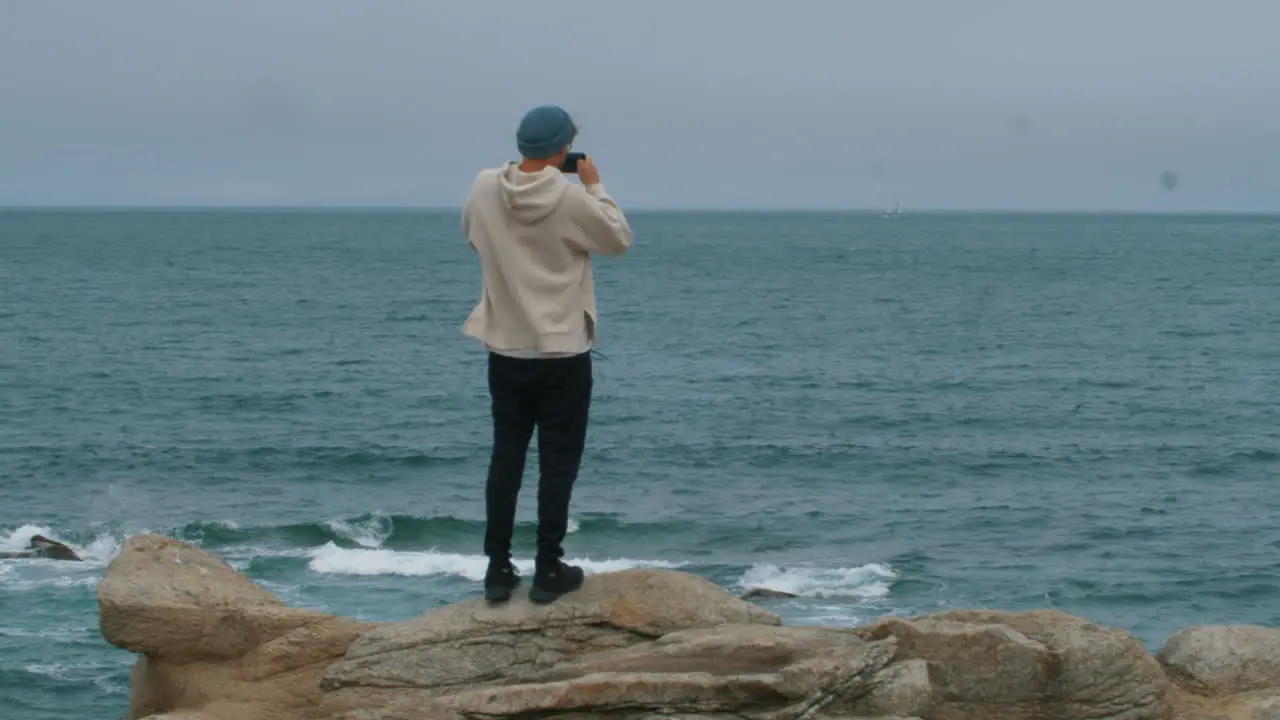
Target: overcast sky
x,y
685,103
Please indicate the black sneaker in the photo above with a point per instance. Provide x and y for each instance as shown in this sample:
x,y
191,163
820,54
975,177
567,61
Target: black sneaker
x,y
554,579
499,580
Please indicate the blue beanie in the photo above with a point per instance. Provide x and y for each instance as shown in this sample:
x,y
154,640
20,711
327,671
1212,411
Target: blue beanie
x,y
544,131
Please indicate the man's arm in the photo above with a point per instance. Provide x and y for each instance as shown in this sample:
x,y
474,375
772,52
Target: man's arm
x,y
466,215
602,227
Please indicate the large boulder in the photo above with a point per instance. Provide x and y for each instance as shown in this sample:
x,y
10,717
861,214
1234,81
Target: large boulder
x,y
1011,666
213,645
471,641
1224,659
731,671
472,645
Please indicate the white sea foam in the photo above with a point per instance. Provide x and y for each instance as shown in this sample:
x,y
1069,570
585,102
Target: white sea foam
x,y
373,531
53,670
59,634
864,582
100,550
27,574
370,533
331,559
16,541
835,615
59,582
240,557
98,673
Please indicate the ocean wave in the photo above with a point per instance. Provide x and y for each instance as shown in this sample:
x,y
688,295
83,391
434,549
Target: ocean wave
x,y
16,583
864,582
105,676
16,540
271,457
334,560
34,574
325,456
371,530
58,634
99,549
401,545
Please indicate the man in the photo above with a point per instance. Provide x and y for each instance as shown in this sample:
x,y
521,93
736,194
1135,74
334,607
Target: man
x,y
534,232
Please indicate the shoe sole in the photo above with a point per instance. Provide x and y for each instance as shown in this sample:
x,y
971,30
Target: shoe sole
x,y
538,596
499,594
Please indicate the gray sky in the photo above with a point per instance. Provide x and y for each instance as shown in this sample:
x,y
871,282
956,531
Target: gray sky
x,y
974,104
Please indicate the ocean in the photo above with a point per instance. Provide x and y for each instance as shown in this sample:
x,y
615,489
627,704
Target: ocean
x,y
879,415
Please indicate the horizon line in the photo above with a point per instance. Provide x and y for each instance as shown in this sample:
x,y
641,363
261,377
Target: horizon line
x,y
642,209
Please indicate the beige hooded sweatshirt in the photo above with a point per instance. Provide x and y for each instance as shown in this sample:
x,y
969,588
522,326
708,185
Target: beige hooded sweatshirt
x,y
535,233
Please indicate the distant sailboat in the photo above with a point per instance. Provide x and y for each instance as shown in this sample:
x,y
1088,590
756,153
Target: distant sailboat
x,y
895,212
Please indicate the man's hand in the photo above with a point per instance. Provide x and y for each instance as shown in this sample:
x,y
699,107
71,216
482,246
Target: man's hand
x,y
587,172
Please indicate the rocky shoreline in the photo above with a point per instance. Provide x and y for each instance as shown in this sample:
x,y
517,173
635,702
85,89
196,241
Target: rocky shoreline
x,y
645,644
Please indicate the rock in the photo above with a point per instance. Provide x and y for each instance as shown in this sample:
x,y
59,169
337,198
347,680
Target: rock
x,y
1266,708
1041,664
43,548
214,645
777,672
1223,659
758,593
474,644
51,549
903,687
645,645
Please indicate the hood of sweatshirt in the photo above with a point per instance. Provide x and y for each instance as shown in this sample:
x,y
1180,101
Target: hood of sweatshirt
x,y
531,196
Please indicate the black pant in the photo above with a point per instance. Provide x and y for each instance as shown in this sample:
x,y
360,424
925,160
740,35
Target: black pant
x,y
555,395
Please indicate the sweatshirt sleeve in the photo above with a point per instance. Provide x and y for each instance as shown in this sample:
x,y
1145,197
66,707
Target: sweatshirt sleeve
x,y
466,219
466,225
468,210
598,224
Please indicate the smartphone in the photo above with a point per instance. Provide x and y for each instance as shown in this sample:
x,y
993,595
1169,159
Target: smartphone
x,y
571,162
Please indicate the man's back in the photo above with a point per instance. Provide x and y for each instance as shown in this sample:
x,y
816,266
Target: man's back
x,y
535,233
